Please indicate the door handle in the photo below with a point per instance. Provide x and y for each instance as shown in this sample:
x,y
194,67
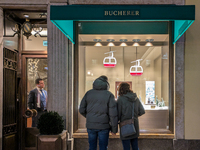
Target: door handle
x,y
30,113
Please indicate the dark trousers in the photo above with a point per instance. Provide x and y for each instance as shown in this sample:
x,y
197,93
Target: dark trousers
x,y
35,119
103,136
127,144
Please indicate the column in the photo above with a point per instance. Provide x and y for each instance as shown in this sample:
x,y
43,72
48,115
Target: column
x,y
1,73
58,49
179,88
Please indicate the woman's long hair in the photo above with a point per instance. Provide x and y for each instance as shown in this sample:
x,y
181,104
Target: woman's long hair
x,y
124,88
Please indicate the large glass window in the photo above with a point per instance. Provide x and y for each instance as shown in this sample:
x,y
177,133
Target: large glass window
x,y
144,66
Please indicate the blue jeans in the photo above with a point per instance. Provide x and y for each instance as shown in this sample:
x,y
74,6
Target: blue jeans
x,y
132,142
103,136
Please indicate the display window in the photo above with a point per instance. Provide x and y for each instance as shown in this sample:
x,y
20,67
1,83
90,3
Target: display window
x,y
142,60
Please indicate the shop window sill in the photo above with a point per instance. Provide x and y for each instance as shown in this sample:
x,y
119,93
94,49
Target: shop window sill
x,y
144,134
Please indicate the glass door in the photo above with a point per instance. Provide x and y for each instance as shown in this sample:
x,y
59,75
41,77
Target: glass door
x,y
34,66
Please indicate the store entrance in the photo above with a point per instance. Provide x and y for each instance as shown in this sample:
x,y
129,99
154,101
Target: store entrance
x,y
33,66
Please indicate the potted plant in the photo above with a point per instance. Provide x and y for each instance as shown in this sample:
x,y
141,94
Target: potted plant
x,y
52,134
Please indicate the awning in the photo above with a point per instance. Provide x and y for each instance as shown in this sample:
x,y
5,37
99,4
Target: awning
x,y
64,17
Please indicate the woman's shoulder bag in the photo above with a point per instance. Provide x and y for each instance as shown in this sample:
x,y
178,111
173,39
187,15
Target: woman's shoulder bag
x,y
127,127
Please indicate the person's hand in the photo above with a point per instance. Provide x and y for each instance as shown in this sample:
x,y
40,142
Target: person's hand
x,y
113,133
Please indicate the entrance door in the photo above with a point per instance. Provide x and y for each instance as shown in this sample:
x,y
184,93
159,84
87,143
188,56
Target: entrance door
x,y
10,133
34,66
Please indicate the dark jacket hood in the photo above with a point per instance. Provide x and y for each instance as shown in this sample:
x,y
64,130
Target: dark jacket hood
x,y
131,96
100,84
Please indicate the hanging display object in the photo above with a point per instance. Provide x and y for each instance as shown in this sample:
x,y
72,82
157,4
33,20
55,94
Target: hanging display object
x,y
136,70
110,61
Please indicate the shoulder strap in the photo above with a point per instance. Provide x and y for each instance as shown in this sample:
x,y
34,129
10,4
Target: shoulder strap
x,y
133,111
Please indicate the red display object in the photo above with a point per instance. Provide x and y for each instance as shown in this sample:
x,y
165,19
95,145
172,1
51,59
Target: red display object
x,y
136,73
109,65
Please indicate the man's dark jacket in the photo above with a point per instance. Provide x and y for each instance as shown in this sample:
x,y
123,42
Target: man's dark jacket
x,y
99,107
32,99
125,107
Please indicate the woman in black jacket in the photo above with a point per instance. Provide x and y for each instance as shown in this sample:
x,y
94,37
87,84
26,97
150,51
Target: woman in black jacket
x,y
125,106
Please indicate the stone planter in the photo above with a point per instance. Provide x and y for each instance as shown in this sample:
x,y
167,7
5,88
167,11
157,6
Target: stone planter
x,y
53,142
31,138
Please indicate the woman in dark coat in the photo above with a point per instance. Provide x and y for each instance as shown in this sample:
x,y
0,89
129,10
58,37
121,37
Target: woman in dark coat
x,y
125,106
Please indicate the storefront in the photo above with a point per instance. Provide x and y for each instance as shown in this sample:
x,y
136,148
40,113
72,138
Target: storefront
x,y
143,45
127,43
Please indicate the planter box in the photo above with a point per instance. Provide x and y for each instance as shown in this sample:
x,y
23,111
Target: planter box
x,y
31,138
53,142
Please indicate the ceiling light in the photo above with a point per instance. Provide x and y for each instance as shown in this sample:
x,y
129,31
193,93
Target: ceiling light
x,y
110,42
136,42
98,42
123,42
149,42
26,15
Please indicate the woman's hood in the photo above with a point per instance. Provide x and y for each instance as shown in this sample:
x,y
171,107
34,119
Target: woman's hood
x,y
131,96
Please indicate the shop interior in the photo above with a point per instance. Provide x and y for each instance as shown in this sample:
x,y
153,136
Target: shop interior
x,y
140,60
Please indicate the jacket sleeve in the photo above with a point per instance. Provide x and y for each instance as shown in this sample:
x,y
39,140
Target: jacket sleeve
x,y
113,114
141,110
119,108
83,106
31,98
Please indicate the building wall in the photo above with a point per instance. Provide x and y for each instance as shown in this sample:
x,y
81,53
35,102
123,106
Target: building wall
x,y
192,78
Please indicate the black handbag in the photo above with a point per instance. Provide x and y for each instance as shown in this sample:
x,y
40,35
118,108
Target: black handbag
x,y
127,127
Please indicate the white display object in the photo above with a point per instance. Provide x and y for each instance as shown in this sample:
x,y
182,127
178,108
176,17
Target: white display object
x,y
110,61
150,92
136,70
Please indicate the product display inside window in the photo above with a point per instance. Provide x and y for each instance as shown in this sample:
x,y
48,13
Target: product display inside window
x,y
140,60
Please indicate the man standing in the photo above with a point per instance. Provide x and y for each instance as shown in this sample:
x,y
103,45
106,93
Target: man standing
x,y
37,99
100,109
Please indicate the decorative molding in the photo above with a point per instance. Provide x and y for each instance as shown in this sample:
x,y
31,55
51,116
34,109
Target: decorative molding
x,y
10,129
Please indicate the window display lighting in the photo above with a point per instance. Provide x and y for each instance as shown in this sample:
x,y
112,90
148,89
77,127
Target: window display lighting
x,y
110,42
149,42
136,42
123,42
98,42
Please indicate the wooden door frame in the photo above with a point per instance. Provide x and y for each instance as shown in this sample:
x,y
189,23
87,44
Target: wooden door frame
x,y
25,56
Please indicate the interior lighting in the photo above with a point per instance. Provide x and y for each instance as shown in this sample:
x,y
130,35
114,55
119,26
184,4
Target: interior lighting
x,y
149,42
136,42
26,15
98,42
110,42
123,42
